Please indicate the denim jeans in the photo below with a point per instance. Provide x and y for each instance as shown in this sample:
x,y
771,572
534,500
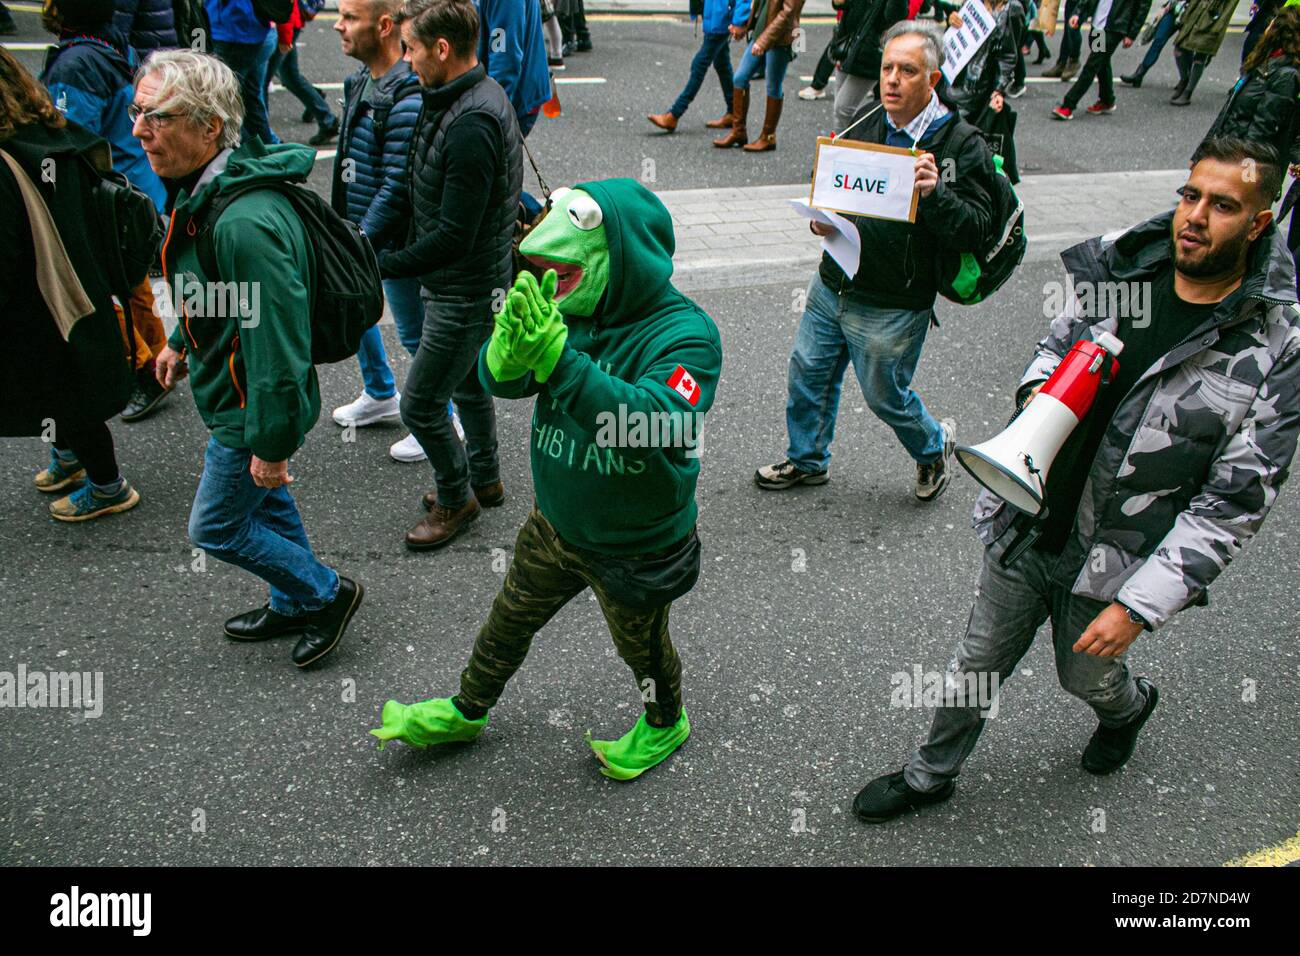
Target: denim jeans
x,y
259,530
1071,37
1010,605
286,67
446,367
248,61
403,297
1165,30
776,59
884,346
713,52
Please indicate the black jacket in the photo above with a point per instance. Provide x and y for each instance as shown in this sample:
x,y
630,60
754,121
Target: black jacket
x,y
863,23
87,379
1126,16
1263,106
992,69
899,264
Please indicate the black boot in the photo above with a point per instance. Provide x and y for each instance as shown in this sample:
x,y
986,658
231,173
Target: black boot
x,y
1134,79
325,627
1184,96
890,796
1110,748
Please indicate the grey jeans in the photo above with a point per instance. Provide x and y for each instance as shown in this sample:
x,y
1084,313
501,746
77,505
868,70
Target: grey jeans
x,y
1010,605
851,94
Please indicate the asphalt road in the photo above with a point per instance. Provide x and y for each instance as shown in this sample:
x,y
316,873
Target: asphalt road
x,y
809,601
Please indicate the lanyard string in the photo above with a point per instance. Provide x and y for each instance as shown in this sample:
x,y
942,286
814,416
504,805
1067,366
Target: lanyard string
x,y
927,117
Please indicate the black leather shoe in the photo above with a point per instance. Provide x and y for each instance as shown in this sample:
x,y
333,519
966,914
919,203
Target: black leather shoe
x,y
145,397
326,626
259,624
1110,748
890,796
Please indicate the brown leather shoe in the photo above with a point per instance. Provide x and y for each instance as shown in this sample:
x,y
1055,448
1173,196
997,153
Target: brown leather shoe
x,y
739,108
767,139
723,122
441,526
489,496
665,121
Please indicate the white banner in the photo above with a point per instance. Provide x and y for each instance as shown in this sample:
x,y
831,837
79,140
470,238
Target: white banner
x,y
960,43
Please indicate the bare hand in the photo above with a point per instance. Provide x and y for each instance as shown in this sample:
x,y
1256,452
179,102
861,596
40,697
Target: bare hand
x,y
1074,23
1128,42
737,33
996,101
169,367
1109,634
927,174
954,20
269,474
822,229
757,49
283,48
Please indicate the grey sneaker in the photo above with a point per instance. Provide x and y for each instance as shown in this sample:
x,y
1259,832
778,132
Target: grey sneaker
x,y
931,479
787,475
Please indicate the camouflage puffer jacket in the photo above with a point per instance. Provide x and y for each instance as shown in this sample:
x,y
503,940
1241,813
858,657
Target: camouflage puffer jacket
x,y
1197,451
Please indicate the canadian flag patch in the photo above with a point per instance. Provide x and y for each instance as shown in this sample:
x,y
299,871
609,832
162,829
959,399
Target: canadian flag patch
x,y
684,384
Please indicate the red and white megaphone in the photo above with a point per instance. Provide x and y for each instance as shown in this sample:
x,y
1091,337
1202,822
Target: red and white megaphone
x,y
1014,463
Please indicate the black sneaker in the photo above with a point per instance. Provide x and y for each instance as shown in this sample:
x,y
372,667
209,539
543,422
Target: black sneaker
x,y
931,479
145,398
1016,91
325,133
1110,748
891,796
326,626
787,475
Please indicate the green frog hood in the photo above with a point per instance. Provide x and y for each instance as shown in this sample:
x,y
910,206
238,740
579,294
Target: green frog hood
x,y
611,243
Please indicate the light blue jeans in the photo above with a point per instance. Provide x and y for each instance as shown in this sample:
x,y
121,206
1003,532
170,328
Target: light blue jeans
x,y
259,530
403,297
884,346
777,59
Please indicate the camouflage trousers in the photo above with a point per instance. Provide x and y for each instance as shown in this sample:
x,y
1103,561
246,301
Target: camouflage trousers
x,y
546,574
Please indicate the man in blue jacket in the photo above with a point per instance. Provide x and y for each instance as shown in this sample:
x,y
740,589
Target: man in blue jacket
x,y
510,45
381,105
89,76
245,44
724,20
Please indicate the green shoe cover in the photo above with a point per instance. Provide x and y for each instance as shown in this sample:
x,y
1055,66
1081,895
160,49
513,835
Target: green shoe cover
x,y
640,748
429,722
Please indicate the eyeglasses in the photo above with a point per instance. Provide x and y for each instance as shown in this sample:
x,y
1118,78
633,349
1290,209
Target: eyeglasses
x,y
152,118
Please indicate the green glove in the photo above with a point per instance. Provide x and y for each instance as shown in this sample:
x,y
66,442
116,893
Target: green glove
x,y
502,361
544,332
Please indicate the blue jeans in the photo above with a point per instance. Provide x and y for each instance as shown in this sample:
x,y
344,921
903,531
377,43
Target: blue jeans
x,y
884,346
403,297
713,52
777,58
1164,30
286,67
1010,605
248,61
259,530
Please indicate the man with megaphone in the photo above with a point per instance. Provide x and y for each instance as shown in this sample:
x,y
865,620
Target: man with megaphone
x,y
1160,479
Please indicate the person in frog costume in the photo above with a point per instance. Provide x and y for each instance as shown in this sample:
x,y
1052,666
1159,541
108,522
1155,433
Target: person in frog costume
x,y
624,367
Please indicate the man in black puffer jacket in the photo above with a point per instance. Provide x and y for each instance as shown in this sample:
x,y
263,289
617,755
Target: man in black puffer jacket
x,y
148,25
1114,24
466,178
859,69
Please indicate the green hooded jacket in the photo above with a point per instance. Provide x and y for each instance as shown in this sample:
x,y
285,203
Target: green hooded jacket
x,y
601,491
247,331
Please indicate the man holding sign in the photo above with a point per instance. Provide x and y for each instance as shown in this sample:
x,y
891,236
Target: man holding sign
x,y
878,317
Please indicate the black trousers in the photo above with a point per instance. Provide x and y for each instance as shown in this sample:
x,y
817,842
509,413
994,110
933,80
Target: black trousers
x,y
93,446
1096,67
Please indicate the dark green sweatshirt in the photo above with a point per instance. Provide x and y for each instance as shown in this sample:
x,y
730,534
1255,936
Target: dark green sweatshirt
x,y
250,368
608,495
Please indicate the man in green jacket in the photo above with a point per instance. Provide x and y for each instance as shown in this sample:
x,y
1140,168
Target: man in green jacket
x,y
245,334
624,368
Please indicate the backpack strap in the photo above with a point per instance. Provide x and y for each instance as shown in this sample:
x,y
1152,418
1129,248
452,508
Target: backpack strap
x,y
204,247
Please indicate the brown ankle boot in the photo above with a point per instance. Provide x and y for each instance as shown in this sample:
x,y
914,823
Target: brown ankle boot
x,y
739,107
767,139
441,526
722,122
489,496
665,121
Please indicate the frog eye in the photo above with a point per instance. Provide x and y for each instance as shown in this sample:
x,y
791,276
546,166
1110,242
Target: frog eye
x,y
585,213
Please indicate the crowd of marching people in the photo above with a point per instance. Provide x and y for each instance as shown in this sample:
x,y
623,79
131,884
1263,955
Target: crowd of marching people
x,y
135,154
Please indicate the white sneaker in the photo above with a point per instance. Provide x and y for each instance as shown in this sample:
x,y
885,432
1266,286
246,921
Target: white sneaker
x,y
407,450
931,479
812,93
368,411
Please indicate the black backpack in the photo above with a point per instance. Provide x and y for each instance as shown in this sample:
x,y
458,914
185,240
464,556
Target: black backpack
x,y
191,19
349,294
277,11
967,278
128,215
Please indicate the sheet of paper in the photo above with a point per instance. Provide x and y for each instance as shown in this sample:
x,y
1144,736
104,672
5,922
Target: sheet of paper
x,y
845,245
961,43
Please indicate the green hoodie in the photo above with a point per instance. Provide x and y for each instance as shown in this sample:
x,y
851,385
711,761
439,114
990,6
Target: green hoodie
x,y
249,344
601,492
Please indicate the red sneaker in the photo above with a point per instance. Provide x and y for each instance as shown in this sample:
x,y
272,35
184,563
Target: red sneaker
x,y
1063,113
1097,108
